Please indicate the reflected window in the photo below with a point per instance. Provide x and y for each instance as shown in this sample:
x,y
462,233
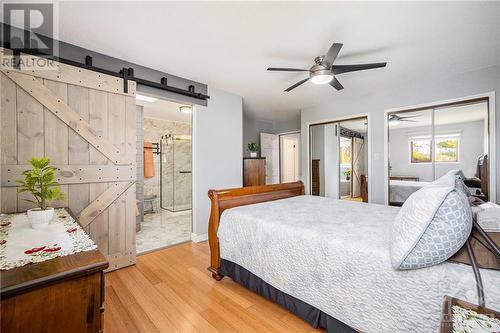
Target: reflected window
x,y
447,149
420,150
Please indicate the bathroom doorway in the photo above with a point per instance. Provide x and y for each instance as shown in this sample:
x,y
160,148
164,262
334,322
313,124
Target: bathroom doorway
x,y
166,217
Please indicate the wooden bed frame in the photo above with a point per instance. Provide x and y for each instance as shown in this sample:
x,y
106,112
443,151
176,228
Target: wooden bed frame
x,y
234,197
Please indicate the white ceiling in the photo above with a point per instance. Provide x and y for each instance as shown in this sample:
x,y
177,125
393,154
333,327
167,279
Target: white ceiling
x,y
163,109
229,45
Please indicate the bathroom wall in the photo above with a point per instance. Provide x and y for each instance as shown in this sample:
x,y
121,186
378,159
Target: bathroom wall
x,y
153,131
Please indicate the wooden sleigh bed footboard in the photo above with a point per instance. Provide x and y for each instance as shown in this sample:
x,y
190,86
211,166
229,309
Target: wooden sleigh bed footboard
x,y
229,198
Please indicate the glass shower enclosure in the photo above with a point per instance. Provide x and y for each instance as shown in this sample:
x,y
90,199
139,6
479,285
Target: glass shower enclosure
x,y
175,171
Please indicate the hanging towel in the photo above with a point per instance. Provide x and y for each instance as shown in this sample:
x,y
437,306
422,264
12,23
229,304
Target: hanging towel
x,y
149,167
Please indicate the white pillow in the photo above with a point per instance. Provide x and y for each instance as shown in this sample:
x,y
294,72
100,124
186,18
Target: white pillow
x,y
432,225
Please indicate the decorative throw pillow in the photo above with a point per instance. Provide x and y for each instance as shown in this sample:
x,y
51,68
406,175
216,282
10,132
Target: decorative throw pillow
x,y
453,178
432,225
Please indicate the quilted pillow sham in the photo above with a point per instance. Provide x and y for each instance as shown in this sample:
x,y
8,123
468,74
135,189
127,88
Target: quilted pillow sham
x,y
432,225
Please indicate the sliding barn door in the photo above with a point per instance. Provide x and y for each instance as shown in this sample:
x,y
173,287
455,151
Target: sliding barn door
x,y
85,123
358,165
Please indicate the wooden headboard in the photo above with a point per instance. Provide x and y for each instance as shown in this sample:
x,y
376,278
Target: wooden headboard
x,y
229,198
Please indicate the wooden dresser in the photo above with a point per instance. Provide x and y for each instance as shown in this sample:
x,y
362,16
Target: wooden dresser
x,y
64,294
254,171
315,177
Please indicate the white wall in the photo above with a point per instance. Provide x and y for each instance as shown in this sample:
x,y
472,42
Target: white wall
x,y
318,152
471,147
331,146
455,86
217,154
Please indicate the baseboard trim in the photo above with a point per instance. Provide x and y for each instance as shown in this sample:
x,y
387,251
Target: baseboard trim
x,y
199,238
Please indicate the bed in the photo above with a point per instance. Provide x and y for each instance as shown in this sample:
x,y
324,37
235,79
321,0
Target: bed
x,y
328,261
400,190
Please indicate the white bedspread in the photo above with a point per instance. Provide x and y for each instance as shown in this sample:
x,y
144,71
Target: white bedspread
x,y
400,190
334,255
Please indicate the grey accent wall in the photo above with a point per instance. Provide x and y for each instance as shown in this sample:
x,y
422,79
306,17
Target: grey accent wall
x,y
344,105
252,129
292,125
140,165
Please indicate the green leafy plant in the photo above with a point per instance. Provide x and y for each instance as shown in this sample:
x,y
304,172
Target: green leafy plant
x,y
347,174
253,147
40,182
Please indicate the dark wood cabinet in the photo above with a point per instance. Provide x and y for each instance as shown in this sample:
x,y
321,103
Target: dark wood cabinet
x,y
405,178
315,178
254,171
64,294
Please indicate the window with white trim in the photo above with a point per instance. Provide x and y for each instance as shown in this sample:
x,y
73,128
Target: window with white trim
x,y
446,148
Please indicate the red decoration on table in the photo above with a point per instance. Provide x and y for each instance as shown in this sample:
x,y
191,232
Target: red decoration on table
x,y
34,250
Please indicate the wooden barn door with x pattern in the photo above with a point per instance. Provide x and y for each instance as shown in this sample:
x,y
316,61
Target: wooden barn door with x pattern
x,y
85,123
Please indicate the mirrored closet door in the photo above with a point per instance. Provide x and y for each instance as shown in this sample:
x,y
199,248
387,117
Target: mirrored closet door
x,y
338,159
424,144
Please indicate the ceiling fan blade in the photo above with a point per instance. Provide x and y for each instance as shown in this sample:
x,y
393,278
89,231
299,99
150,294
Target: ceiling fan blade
x,y
296,85
287,69
413,121
336,84
331,55
339,69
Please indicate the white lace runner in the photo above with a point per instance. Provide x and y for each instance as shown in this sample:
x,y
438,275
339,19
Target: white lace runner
x,y
21,245
465,320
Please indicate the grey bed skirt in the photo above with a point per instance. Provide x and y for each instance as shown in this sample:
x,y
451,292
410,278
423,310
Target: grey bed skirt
x,y
309,313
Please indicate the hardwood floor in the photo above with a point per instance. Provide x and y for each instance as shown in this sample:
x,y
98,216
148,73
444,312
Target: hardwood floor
x,y
171,291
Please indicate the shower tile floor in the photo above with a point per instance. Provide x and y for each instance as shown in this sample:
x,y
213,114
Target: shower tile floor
x,y
163,229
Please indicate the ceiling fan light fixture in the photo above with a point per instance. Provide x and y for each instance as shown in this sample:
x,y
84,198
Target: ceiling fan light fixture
x,y
321,78
394,121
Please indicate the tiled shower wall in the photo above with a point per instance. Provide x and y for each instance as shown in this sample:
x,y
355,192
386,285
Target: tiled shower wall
x,y
154,129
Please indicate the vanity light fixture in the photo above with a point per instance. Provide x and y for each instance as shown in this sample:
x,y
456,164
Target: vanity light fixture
x,y
188,109
145,98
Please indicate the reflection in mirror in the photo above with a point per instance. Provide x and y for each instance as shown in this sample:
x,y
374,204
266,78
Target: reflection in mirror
x,y
426,144
338,153
354,160
410,153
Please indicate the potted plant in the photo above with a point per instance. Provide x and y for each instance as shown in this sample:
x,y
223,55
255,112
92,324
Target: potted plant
x,y
254,148
40,182
347,174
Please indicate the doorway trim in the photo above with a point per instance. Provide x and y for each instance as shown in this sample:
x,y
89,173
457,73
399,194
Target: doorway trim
x,y
490,96
308,168
279,152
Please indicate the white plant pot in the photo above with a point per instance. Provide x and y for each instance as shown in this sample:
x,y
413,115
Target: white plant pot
x,y
40,218
253,154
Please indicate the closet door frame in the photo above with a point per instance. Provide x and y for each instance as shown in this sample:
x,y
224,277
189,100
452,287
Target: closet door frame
x,y
307,172
485,97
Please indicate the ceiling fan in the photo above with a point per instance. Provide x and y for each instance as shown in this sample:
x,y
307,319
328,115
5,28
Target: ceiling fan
x,y
394,119
324,71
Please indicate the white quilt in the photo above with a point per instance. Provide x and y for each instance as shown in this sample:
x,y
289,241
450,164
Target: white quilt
x,y
334,255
